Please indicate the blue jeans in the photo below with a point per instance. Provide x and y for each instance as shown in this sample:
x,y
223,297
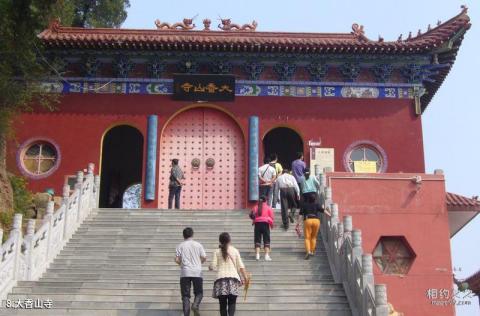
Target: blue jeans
x,y
266,191
174,192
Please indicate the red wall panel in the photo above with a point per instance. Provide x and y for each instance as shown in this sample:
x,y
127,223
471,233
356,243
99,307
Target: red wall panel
x,y
393,206
81,119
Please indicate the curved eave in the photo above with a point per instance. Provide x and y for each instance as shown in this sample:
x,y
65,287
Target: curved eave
x,y
57,36
442,41
461,211
445,56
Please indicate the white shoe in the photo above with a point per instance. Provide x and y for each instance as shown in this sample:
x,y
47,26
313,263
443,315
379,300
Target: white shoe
x,y
257,256
267,258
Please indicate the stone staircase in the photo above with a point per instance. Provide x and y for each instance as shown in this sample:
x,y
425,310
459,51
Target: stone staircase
x,y
120,263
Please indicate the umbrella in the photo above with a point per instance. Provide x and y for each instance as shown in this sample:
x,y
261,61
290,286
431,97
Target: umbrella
x,y
247,286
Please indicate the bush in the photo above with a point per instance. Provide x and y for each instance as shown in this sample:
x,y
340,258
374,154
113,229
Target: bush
x,y
22,202
22,197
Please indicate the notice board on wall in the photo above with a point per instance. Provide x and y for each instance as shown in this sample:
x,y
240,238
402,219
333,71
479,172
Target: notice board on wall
x,y
321,158
365,166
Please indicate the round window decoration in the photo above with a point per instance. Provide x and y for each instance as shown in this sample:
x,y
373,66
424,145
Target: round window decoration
x,y
365,156
38,158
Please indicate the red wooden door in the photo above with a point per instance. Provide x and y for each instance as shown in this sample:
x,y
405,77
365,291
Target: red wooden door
x,y
204,135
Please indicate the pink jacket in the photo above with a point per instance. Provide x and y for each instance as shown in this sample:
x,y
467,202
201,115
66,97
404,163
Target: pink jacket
x,y
266,217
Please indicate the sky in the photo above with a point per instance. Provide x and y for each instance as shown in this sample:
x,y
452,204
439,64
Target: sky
x,y
451,124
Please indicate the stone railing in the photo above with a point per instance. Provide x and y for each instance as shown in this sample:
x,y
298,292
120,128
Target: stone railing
x,y
350,265
27,257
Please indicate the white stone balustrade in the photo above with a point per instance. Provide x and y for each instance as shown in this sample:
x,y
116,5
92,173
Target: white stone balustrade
x,y
350,265
26,258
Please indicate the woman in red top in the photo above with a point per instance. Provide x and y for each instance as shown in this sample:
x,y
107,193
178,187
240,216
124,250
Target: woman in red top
x,y
262,216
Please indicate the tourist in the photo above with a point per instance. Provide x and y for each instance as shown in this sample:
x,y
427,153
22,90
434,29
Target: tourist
x,y
309,186
298,167
266,175
231,275
262,217
289,196
275,195
190,255
175,184
310,210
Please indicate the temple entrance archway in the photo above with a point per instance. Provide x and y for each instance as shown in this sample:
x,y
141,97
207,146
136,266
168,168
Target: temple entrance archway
x,y
122,162
285,142
211,151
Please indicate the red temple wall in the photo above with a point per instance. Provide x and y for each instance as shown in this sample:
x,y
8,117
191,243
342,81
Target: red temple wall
x,y
81,121
394,207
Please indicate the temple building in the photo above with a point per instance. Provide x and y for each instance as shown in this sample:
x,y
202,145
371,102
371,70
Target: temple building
x,y
222,98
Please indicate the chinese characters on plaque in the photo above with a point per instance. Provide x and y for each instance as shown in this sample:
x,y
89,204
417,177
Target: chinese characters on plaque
x,y
203,87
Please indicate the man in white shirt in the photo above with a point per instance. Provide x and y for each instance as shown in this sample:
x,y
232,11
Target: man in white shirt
x,y
190,255
289,196
266,175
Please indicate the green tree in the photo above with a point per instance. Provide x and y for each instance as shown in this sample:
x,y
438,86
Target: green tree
x,y
20,69
21,64
92,13
20,22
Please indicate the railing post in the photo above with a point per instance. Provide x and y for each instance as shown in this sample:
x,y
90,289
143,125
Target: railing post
x,y
367,272
328,195
357,245
29,248
338,254
323,179
48,218
381,304
332,238
91,183
340,232
97,191
334,211
79,187
347,227
17,233
65,202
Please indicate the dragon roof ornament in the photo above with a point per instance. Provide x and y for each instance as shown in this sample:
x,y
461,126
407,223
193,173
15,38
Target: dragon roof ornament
x,y
225,25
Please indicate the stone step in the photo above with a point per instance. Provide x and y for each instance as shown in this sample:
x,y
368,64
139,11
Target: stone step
x,y
173,267
159,251
170,265
167,285
140,260
175,280
174,310
139,299
207,231
120,263
170,245
169,272
88,238
209,305
260,278
152,253
168,312
255,290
